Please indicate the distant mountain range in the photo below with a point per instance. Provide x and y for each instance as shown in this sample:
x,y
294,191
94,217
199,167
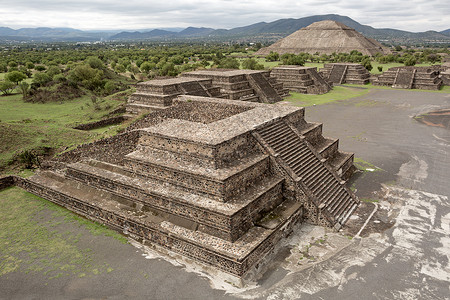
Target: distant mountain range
x,y
256,32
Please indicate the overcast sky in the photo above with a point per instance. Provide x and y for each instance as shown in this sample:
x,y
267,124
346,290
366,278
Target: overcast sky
x,y
410,15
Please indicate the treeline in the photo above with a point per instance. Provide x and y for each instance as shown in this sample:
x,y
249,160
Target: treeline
x,y
409,57
105,69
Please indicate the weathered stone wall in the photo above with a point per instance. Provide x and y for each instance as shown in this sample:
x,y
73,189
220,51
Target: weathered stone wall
x,y
110,150
202,112
101,123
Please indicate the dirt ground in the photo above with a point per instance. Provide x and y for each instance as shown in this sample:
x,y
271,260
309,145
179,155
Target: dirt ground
x,y
396,246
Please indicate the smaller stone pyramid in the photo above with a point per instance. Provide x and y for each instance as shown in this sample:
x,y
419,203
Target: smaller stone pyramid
x,y
325,37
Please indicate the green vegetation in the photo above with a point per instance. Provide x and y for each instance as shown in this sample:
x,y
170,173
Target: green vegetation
x,y
40,237
364,165
42,128
338,93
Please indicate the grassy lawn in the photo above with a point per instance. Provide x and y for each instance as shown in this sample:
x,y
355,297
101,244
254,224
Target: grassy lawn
x,y
27,126
41,238
338,93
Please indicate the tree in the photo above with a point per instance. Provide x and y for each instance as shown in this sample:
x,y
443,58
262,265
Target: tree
x,y
273,56
89,77
229,63
110,87
15,76
52,71
40,68
3,67
6,87
252,64
292,59
367,64
41,79
95,62
410,61
24,88
147,66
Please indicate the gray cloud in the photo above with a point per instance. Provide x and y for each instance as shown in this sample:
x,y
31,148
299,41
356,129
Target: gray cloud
x,y
411,15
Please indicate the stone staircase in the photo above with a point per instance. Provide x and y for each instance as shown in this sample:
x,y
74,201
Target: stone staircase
x,y
410,78
263,88
340,73
156,95
333,199
404,79
244,85
300,79
337,74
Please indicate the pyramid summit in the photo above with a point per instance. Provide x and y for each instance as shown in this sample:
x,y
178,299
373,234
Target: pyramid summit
x,y
325,37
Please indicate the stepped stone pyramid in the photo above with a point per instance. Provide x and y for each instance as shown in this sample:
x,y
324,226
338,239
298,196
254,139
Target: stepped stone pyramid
x,y
325,37
339,73
305,80
217,180
425,78
246,85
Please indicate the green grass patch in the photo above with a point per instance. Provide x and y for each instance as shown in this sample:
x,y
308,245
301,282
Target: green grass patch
x,y
338,93
365,165
33,241
27,126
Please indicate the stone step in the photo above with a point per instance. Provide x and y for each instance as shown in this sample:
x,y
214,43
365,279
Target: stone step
x,y
225,220
221,184
236,257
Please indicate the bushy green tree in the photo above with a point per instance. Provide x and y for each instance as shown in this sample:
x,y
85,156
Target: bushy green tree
x,y
410,61
367,64
24,88
6,87
3,67
147,66
110,87
273,56
292,59
89,77
52,71
40,68
228,63
41,79
252,64
95,62
15,76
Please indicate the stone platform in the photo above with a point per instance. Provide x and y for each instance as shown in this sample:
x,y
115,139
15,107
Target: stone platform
x,y
305,80
425,78
219,181
245,85
339,73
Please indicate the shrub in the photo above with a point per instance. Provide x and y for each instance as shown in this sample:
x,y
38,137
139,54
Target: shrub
x,y
15,76
52,71
41,79
95,62
24,88
29,159
252,64
6,87
273,56
40,68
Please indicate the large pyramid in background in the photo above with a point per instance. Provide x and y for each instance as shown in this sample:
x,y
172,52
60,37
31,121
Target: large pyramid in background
x,y
325,37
